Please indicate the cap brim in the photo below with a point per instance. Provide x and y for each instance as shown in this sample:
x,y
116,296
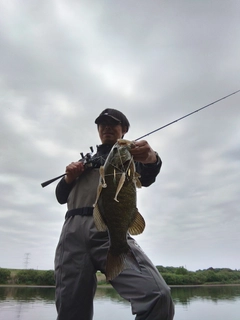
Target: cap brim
x,y
103,118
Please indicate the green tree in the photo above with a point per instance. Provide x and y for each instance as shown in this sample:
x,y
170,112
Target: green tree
x,y
181,270
4,275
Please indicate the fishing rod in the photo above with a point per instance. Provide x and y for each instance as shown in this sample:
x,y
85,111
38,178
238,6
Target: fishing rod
x,y
87,159
187,115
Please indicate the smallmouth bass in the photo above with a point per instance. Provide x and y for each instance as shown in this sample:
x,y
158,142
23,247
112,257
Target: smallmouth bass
x,y
115,207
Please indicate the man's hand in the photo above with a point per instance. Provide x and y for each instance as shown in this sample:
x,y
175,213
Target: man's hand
x,y
142,152
73,170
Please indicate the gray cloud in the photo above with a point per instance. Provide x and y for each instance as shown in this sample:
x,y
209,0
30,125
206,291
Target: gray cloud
x,y
62,63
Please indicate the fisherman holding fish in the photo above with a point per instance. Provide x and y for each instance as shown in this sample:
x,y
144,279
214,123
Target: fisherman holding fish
x,y
101,217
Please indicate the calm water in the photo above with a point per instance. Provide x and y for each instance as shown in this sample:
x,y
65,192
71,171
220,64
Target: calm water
x,y
191,303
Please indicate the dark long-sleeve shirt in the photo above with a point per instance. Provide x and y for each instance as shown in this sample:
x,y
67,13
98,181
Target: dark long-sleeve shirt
x,y
148,172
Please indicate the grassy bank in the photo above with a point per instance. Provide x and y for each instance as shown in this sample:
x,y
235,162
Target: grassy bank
x,y
172,275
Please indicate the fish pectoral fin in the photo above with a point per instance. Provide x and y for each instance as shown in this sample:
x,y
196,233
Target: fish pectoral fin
x,y
120,184
98,220
138,183
138,224
136,180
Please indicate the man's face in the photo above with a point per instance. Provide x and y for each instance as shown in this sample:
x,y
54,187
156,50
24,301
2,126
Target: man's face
x,y
110,132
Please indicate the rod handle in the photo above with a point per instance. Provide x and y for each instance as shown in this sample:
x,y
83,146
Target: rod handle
x,y
46,183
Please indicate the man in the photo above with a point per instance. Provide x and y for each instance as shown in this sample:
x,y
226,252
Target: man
x,y
82,250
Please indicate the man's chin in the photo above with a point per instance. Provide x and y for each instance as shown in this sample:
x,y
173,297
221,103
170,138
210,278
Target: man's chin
x,y
109,140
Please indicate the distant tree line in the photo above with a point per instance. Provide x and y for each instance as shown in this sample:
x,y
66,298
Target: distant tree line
x,y
172,275
181,276
27,277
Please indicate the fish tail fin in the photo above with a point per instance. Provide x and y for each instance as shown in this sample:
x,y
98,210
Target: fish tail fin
x,y
117,263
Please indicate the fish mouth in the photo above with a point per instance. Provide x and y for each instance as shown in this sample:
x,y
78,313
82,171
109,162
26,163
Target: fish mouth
x,y
125,143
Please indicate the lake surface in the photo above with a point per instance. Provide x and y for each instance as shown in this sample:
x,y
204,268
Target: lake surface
x,y
191,303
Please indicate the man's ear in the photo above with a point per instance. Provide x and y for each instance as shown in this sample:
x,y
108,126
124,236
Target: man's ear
x,y
124,131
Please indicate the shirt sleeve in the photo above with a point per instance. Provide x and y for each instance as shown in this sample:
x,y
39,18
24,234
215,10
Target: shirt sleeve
x,y
62,190
148,172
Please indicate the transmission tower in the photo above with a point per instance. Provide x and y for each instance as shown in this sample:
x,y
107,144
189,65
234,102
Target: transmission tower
x,y
26,259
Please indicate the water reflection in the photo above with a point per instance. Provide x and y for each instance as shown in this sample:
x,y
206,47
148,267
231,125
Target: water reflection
x,y
184,295
181,295
111,294
27,294
27,303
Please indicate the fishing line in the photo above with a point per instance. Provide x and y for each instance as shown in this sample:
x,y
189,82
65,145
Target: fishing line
x,y
187,115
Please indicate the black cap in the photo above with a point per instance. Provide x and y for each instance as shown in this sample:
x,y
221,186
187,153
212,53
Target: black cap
x,y
115,115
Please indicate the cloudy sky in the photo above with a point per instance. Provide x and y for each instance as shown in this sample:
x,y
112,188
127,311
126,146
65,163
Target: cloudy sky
x,y
63,61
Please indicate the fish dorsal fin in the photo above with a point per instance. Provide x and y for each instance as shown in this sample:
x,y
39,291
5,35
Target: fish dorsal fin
x,y
138,224
136,180
136,175
98,220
